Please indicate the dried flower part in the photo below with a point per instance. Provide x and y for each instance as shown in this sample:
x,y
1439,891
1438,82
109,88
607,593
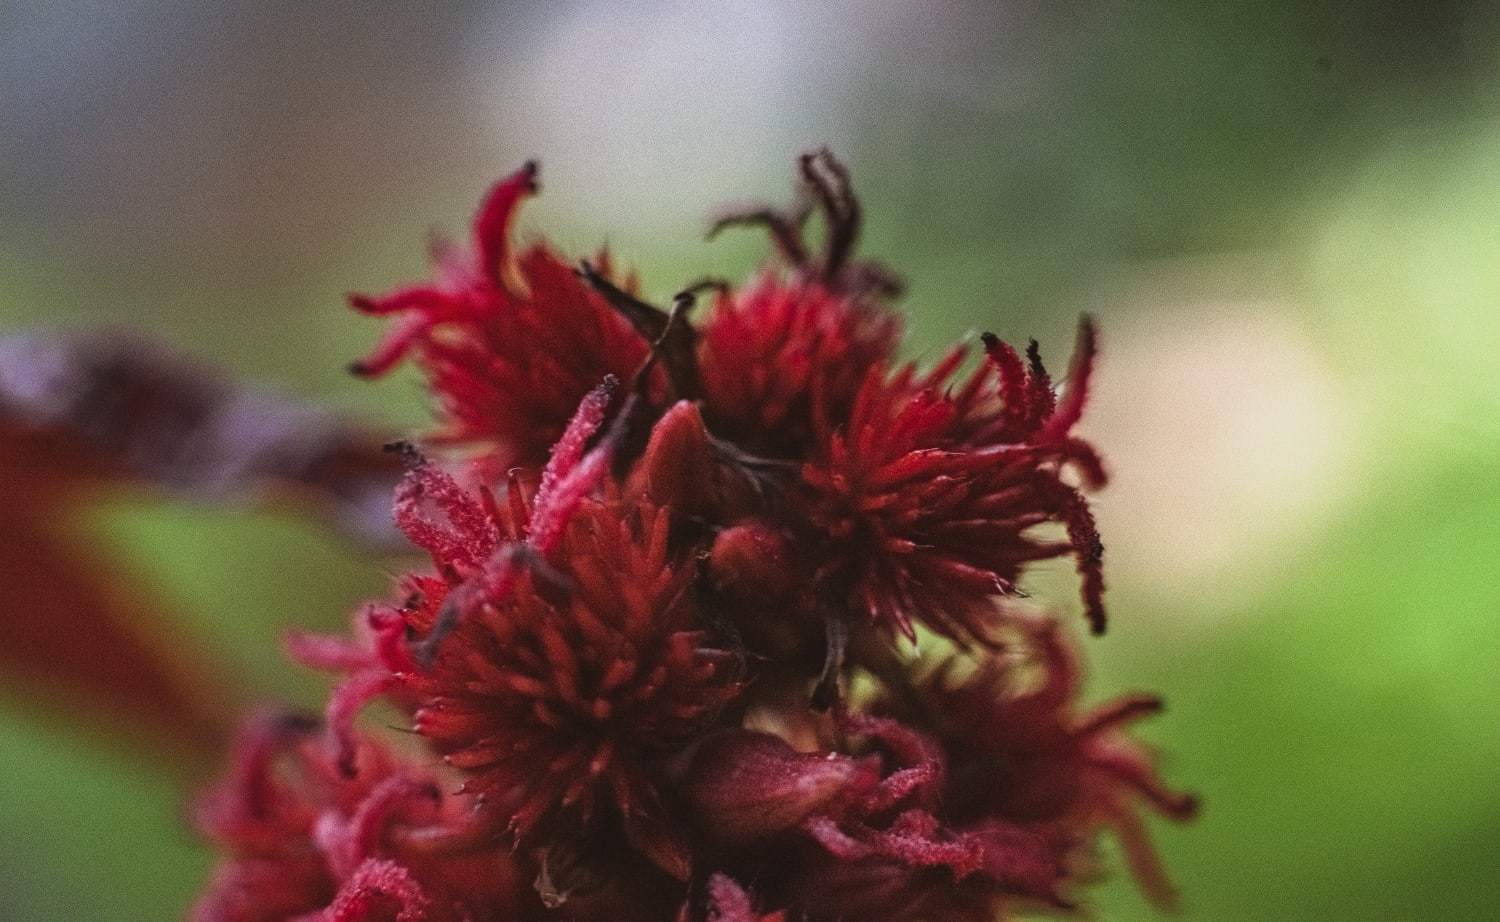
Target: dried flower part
x,y
510,342
823,184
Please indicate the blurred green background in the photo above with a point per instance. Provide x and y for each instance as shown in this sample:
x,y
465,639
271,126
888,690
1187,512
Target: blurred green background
x,y
1286,216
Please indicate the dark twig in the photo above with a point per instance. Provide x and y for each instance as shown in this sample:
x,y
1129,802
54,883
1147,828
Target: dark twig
x,y
828,180
836,637
649,321
672,338
785,228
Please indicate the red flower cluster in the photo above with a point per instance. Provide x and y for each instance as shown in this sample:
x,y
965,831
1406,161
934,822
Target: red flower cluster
x,y
494,324
667,669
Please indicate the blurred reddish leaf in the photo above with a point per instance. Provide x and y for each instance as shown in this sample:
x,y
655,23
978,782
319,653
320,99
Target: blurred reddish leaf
x,y
83,414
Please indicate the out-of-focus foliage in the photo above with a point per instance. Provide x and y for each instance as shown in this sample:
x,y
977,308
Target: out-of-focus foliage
x,y
1285,216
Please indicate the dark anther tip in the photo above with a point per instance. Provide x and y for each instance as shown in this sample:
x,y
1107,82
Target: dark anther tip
x,y
825,695
406,450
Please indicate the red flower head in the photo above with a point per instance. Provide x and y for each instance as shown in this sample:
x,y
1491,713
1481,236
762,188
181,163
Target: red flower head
x,y
785,357
559,660
614,653
925,497
304,840
509,342
1013,787
564,695
866,835
1020,754
994,802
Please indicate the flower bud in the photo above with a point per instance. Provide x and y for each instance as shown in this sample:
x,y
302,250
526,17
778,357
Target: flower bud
x,y
746,785
752,561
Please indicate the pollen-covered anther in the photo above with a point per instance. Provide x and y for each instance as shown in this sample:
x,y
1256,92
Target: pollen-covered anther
x,y
728,902
380,890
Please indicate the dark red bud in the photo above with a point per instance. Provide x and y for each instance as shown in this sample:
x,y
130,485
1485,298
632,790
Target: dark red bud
x,y
676,469
752,560
746,785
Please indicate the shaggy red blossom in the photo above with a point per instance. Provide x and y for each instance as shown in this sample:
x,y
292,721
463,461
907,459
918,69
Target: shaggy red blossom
x,y
929,492
1016,786
559,698
784,357
1020,752
870,821
993,804
304,840
652,672
510,342
782,360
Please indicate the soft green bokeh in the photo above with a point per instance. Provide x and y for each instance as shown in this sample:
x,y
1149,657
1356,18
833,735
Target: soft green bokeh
x,y
1329,171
